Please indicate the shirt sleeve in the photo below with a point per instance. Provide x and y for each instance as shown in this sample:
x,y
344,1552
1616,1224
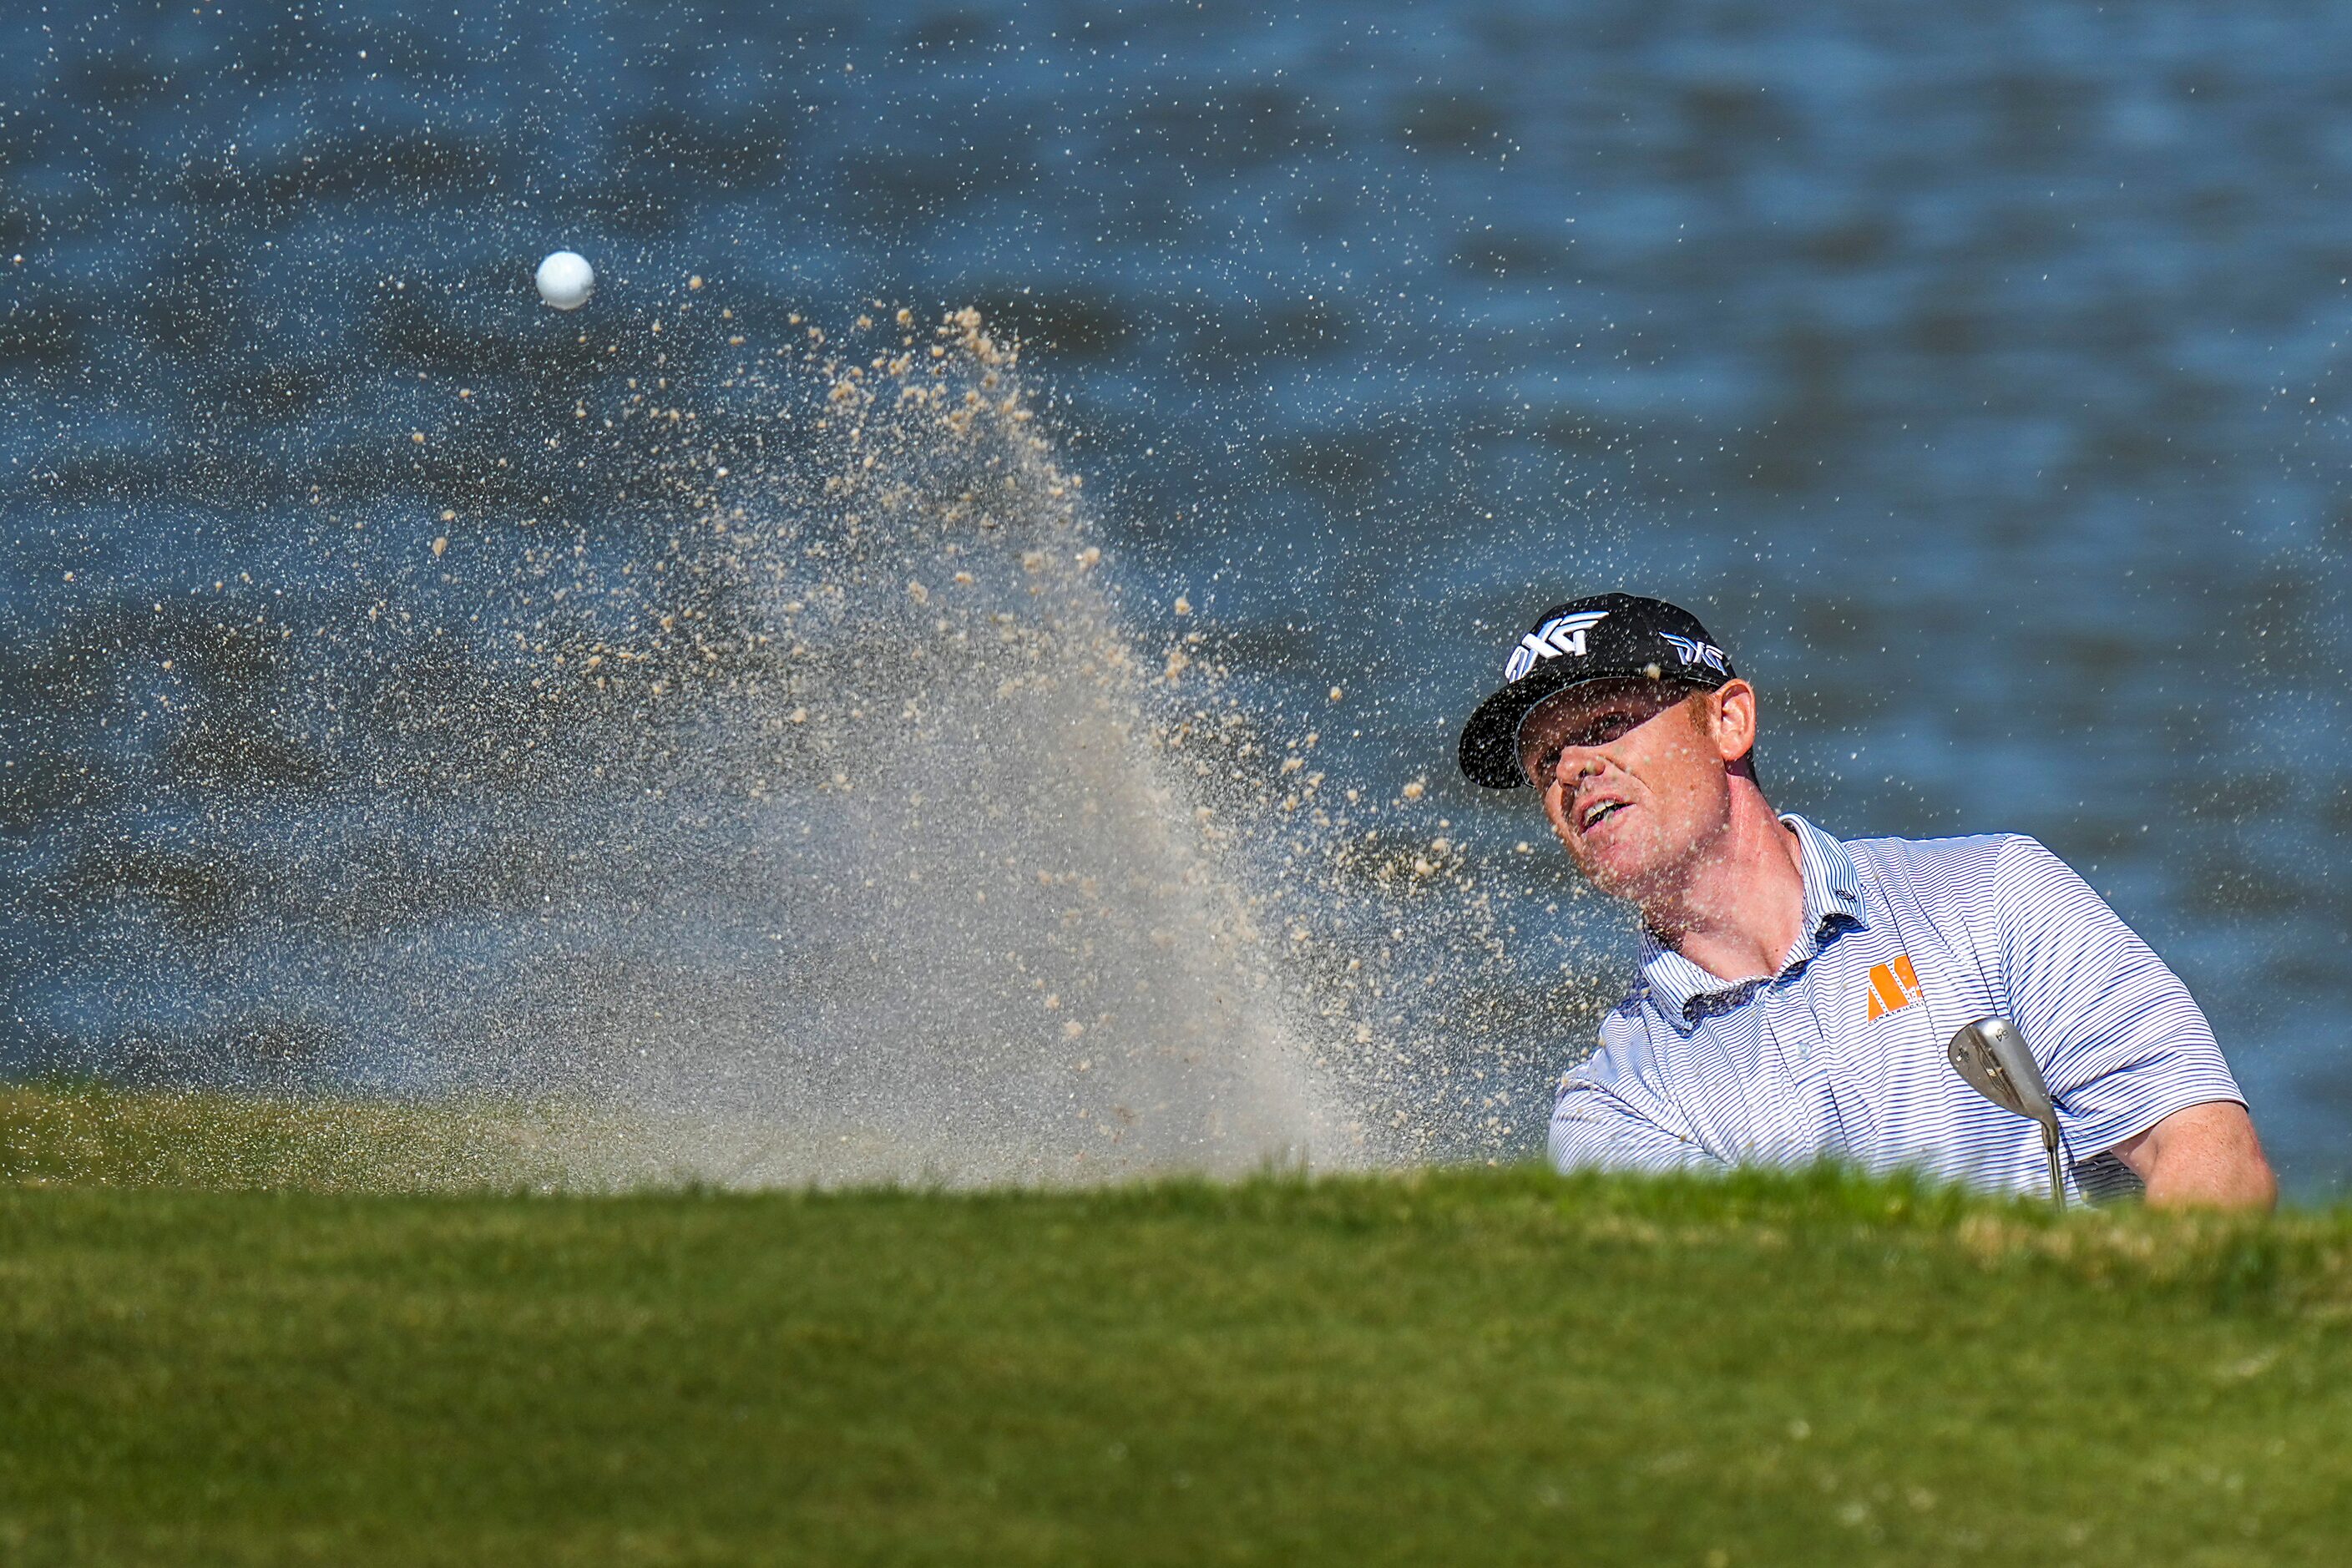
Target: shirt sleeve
x,y
2119,1040
1605,1120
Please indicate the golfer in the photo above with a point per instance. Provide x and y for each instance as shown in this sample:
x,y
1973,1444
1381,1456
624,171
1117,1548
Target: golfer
x,y
1796,992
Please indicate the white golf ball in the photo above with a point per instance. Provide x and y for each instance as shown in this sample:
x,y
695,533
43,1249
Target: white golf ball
x,y
565,281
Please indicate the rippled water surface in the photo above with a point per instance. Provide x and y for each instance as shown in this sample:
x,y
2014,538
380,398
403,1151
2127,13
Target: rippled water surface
x,y
1970,369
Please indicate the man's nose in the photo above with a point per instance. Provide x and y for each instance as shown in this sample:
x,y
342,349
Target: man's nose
x,y
1575,765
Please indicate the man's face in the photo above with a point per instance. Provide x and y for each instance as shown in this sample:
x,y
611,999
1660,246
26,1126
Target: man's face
x,y
1633,776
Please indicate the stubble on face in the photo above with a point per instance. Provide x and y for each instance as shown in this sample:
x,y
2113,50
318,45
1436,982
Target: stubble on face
x,y
1632,782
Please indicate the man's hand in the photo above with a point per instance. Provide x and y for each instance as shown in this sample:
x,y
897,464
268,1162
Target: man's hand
x,y
2206,1156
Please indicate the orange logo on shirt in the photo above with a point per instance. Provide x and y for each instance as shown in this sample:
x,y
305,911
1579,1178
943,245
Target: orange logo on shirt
x,y
1892,986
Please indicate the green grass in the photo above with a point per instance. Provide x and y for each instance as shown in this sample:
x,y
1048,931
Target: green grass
x,y
82,1134
1453,1367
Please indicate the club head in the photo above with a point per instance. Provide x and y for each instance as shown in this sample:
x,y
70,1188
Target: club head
x,y
1992,1056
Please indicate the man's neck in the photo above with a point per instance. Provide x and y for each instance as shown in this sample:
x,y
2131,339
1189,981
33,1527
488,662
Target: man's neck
x,y
1740,907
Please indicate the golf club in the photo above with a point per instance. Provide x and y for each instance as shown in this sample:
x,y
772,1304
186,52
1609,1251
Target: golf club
x,y
1993,1057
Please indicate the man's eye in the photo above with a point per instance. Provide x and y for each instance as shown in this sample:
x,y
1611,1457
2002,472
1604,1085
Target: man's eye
x,y
1598,732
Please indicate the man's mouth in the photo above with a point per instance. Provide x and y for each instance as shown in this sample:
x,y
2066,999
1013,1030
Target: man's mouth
x,y
1597,813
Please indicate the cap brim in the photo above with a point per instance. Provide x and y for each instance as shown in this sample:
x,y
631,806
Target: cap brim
x,y
1490,741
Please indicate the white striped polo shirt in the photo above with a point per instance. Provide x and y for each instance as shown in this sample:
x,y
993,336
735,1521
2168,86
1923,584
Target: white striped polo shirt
x,y
1841,1055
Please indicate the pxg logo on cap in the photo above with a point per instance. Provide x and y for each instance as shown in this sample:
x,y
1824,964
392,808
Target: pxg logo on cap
x,y
1695,650
1602,636
1560,634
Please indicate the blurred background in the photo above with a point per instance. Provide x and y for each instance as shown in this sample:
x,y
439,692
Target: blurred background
x,y
1970,369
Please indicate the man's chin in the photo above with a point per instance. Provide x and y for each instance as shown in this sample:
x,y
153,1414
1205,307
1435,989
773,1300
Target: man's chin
x,y
1617,881
1620,876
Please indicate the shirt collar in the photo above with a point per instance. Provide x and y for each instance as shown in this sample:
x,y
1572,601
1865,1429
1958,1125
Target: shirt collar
x,y
1834,900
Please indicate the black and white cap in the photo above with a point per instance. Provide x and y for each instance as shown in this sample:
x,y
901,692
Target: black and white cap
x,y
1609,636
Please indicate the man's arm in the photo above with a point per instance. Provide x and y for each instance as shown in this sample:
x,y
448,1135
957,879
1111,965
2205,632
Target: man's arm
x,y
1593,1128
2129,1055
2206,1156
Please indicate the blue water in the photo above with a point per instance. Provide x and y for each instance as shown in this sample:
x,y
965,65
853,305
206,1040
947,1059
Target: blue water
x,y
1970,369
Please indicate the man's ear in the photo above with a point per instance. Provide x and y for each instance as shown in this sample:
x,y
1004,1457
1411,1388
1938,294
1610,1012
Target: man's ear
x,y
1735,720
